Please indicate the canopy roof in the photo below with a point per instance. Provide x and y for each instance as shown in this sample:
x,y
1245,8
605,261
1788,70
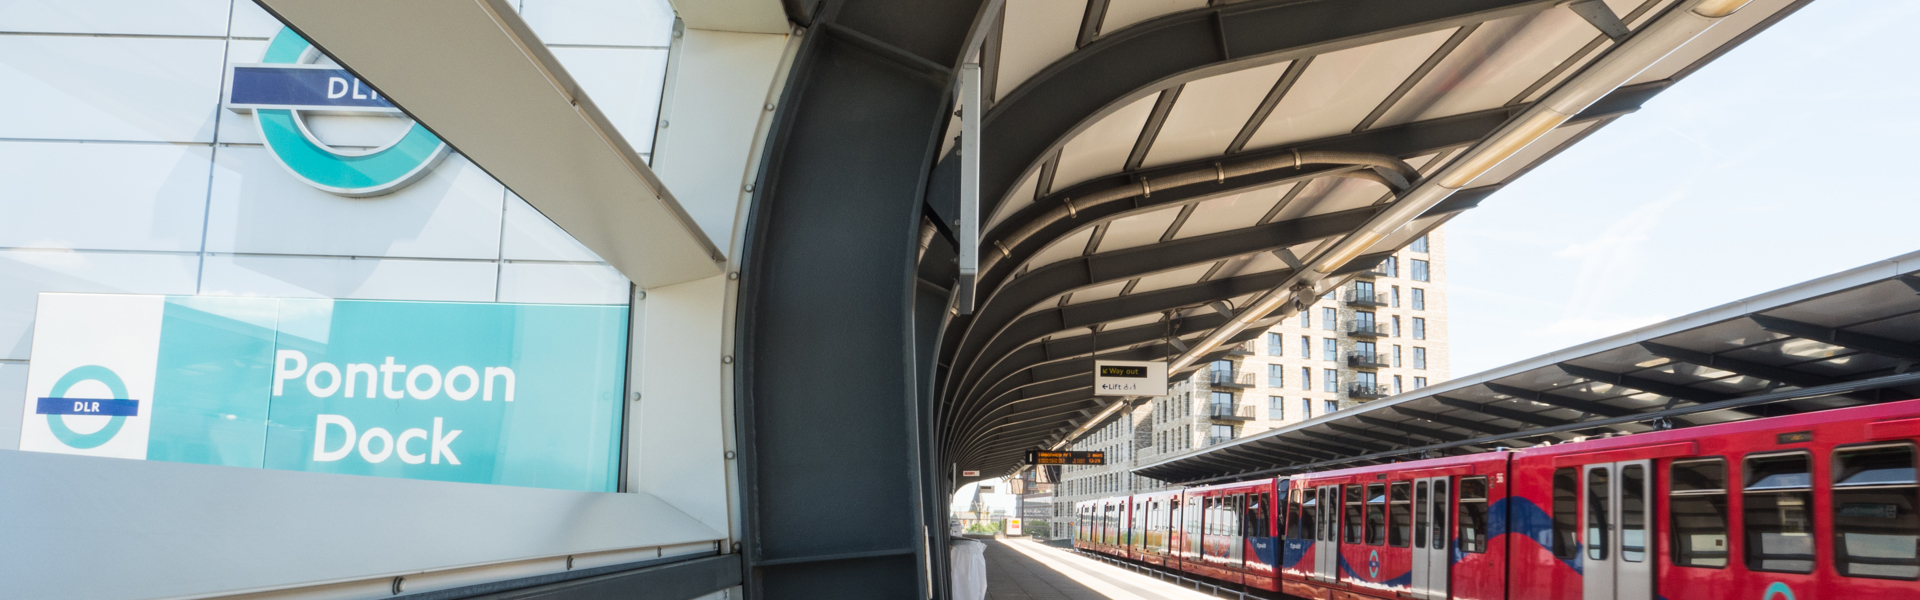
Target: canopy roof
x,y
1144,160
1842,340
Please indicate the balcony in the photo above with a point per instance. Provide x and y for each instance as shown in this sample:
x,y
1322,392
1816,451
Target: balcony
x,y
1221,411
1366,329
1241,349
1366,360
1357,299
1215,440
1364,391
1229,379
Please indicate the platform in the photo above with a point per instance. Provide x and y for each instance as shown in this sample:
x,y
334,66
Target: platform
x,y
1027,570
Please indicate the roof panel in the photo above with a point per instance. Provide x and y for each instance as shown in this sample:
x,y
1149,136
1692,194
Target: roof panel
x,y
1873,302
1121,13
1170,279
1072,245
1022,196
1133,231
1103,147
1340,88
1501,59
1210,112
1035,33
1236,211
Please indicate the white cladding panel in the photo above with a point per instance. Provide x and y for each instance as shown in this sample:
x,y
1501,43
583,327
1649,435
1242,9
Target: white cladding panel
x,y
156,199
109,88
26,273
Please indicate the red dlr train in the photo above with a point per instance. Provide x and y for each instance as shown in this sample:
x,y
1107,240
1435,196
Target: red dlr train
x,y
1819,505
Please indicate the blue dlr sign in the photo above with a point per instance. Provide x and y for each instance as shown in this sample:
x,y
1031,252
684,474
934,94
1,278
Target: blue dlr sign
x,y
301,87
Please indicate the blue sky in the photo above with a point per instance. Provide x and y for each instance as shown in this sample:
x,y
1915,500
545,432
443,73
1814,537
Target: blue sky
x,y
1785,160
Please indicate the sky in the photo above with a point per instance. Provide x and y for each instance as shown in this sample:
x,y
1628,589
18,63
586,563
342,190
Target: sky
x,y
1783,161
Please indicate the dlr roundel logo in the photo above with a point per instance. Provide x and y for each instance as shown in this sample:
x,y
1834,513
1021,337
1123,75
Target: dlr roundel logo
x,y
61,404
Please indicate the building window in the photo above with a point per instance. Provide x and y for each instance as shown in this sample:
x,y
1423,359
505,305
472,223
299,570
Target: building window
x,y
1306,408
1329,349
1419,357
1419,328
1331,380
1220,434
1419,269
1396,356
1329,319
1276,376
1275,345
1329,406
1419,245
1396,384
1396,326
1367,379
1306,346
1419,299
1419,382
1306,320
1306,378
1276,408
1779,518
1394,300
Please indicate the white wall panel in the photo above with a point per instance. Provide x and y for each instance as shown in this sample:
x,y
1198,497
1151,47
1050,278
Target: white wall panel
x,y
600,22
13,391
1121,13
144,17
562,283
530,235
362,279
251,21
26,273
258,207
1102,148
109,88
56,198
624,83
1037,32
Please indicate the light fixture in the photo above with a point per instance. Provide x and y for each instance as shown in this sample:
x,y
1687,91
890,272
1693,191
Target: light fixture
x,y
1714,9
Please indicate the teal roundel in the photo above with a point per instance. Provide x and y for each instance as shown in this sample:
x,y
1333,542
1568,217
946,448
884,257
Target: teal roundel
x,y
344,172
58,423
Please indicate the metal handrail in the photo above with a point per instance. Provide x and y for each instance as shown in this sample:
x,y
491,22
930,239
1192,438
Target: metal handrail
x,y
1355,297
1361,389
1229,378
1366,359
1373,327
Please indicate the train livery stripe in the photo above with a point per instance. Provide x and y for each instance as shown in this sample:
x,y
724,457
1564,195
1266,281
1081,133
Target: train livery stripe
x,y
1523,518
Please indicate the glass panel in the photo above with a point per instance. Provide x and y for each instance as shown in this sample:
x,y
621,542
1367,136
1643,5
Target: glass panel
x,y
1779,526
1566,513
1440,499
1420,515
1355,521
1473,515
1876,530
1633,513
1599,513
1399,522
1376,514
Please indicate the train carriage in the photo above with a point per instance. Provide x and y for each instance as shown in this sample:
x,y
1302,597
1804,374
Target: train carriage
x,y
1819,505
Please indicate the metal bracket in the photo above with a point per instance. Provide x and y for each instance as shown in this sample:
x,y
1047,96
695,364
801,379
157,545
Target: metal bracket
x,y
1602,18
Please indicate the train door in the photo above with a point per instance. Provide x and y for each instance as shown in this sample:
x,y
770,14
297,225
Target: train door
x,y
1432,546
1618,564
1326,554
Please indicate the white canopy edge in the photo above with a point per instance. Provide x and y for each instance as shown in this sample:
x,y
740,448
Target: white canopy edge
x,y
476,75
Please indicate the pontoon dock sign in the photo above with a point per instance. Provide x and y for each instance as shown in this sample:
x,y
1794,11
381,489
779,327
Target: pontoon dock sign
x,y
1129,378
969,473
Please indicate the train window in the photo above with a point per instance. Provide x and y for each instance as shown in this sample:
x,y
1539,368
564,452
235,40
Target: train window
x,y
1420,514
1778,513
1876,531
1566,512
1257,522
1308,519
1473,515
1599,512
1376,514
1399,509
1699,512
1355,520
1633,513
1440,513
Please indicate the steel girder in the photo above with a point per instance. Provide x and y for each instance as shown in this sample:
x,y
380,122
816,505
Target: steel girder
x,y
829,256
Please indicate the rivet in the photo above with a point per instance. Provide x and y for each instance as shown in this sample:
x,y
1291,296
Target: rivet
x,y
728,359
730,455
733,275
663,123
636,396
769,106
643,295
749,187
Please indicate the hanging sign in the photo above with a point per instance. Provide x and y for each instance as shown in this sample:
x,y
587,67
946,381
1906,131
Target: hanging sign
x,y
1129,378
1065,457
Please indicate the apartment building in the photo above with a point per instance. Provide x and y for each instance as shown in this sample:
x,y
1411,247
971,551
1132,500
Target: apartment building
x,y
1383,333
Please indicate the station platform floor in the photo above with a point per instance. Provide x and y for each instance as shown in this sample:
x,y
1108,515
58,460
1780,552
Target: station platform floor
x,y
1019,569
